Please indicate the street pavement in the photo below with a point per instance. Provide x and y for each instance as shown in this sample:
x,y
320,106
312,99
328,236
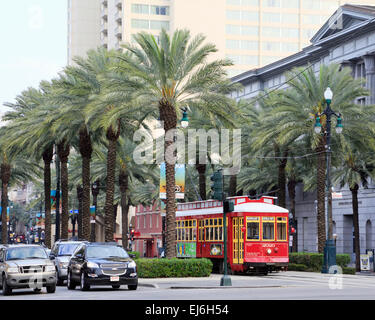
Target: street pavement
x,y
275,286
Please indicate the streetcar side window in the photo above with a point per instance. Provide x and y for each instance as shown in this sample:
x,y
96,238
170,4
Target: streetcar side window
x,y
252,224
268,228
214,229
281,229
186,230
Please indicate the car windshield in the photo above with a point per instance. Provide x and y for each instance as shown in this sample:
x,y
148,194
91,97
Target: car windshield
x,y
100,252
67,249
23,253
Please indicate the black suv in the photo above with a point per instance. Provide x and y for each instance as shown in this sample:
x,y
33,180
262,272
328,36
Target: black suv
x,y
101,264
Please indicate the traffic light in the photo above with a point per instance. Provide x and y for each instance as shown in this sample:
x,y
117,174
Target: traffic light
x,y
217,186
132,232
228,206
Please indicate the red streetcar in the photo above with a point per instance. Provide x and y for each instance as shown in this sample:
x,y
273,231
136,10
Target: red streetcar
x,y
257,234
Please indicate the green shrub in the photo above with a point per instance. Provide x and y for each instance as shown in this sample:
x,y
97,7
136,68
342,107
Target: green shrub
x,y
296,267
342,260
348,270
136,253
175,268
314,261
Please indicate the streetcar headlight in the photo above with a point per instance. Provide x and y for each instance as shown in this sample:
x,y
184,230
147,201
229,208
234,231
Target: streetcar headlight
x,y
269,251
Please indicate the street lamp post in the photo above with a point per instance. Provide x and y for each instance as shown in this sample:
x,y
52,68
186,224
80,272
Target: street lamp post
x,y
95,192
330,248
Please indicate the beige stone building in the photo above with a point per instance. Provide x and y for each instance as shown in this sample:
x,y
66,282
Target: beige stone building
x,y
252,33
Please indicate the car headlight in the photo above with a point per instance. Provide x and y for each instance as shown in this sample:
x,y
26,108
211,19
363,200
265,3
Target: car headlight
x,y
92,265
50,268
63,265
132,265
12,270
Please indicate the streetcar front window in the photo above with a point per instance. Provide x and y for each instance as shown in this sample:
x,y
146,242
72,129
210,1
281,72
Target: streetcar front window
x,y
268,228
252,231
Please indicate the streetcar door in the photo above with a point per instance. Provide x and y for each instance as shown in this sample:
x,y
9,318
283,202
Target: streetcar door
x,y
237,240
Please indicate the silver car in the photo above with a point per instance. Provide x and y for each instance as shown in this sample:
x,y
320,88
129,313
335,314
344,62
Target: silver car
x,y
26,266
60,255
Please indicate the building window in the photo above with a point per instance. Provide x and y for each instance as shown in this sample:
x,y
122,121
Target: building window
x,y
241,30
140,8
290,33
290,4
253,3
271,3
311,4
140,24
271,46
158,25
290,18
160,10
273,17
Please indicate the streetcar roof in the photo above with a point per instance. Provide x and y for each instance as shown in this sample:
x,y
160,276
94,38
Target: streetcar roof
x,y
250,207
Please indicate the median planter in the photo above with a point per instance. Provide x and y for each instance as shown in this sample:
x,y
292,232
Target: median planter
x,y
173,268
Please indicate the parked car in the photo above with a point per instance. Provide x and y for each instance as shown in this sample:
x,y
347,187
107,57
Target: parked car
x,y
101,264
26,266
60,254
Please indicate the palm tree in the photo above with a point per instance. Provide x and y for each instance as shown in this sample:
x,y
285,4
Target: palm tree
x,y
73,92
165,77
24,138
295,117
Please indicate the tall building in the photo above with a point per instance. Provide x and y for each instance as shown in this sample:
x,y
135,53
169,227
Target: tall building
x,y
252,33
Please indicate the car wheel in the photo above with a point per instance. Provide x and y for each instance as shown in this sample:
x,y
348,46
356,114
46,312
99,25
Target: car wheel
x,y
51,289
116,286
71,285
132,287
84,285
6,289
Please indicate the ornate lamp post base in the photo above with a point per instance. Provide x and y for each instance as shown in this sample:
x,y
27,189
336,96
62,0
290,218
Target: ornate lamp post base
x,y
225,281
329,256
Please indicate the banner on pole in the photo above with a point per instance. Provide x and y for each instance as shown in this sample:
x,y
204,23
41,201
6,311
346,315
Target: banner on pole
x,y
179,181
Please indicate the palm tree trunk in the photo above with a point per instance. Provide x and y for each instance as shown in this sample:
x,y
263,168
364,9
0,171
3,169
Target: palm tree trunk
x,y
5,177
357,248
282,180
112,137
47,158
201,168
124,182
85,148
292,195
321,186
63,150
233,185
169,116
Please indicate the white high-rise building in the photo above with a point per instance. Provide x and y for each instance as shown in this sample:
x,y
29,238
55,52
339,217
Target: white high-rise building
x,y
252,33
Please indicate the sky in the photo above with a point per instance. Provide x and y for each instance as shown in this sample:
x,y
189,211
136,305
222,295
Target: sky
x,y
33,45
